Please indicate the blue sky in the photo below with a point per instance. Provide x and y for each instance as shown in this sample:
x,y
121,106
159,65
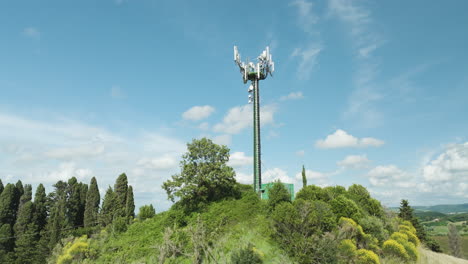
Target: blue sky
x,y
366,92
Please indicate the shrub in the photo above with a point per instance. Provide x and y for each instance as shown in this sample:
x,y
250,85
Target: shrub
x,y
119,225
393,248
146,211
365,256
347,250
411,250
411,237
247,255
398,236
374,226
277,194
343,206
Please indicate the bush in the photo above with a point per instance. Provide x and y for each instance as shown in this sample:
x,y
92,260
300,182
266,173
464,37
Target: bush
x,y
247,255
400,237
374,226
365,256
343,206
394,249
412,237
146,211
119,225
411,250
347,250
277,194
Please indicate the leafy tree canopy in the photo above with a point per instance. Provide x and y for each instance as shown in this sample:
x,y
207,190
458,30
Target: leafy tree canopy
x,y
204,176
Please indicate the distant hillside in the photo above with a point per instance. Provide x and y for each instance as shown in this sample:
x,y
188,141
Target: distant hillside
x,y
444,208
440,208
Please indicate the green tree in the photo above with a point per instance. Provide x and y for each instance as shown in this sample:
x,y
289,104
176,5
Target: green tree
x,y
246,255
454,240
7,220
93,198
311,192
407,213
146,211
120,193
343,206
130,207
40,221
277,194
26,234
108,206
73,203
19,190
204,176
58,218
1,186
304,178
26,196
83,189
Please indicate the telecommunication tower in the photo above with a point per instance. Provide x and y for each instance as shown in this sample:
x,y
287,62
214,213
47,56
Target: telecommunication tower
x,y
254,73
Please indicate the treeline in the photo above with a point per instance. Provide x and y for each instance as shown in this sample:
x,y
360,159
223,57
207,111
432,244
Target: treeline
x,y
30,229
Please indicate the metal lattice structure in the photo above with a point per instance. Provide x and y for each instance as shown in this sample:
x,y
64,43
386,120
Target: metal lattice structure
x,y
254,73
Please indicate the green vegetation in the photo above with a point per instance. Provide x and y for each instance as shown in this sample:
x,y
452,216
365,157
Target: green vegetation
x,y
214,220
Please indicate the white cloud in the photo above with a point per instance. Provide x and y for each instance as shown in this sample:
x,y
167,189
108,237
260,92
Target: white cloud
x,y
32,32
307,60
67,170
240,117
244,178
38,151
76,152
160,163
386,175
354,162
306,17
204,126
451,165
315,177
239,159
341,139
275,174
223,139
292,96
197,113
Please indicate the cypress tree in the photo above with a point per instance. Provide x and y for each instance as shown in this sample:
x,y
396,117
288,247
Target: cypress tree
x,y
40,221
83,187
7,243
7,220
19,190
58,219
26,233
304,178
92,204
120,190
26,196
1,186
130,208
40,207
73,203
108,208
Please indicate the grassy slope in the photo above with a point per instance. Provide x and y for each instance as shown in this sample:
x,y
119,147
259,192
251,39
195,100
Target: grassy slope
x,y
429,257
239,221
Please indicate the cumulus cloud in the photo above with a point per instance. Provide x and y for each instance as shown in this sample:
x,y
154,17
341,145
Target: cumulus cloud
x,y
223,139
240,117
451,165
239,159
197,113
315,177
387,175
292,96
275,174
38,151
354,162
159,163
341,139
